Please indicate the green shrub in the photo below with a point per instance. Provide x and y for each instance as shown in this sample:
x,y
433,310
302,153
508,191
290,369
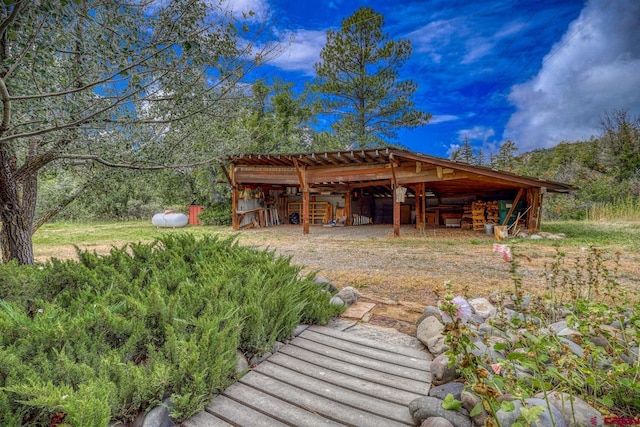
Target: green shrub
x,y
106,337
217,214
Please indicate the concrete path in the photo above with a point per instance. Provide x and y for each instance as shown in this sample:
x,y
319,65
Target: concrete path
x,y
325,377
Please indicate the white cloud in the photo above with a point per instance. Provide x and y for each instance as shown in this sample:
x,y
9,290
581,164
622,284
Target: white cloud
x,y
434,37
592,70
302,52
477,48
462,39
249,10
441,118
476,133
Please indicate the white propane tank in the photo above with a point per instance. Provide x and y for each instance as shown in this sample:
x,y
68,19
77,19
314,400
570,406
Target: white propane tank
x,y
169,219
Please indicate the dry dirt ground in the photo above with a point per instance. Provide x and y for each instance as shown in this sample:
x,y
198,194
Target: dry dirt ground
x,y
403,274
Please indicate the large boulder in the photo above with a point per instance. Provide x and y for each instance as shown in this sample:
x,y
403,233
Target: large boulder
x,y
430,310
441,372
325,284
429,332
469,401
575,411
452,388
483,308
428,407
349,295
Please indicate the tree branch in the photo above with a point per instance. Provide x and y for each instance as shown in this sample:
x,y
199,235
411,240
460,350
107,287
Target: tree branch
x,y
57,209
133,166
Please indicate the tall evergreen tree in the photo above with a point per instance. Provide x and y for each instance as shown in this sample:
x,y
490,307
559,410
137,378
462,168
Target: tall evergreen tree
x,y
505,159
278,119
358,79
464,153
480,157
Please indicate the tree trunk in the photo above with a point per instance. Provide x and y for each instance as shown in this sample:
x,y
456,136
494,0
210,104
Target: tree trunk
x,y
15,235
15,238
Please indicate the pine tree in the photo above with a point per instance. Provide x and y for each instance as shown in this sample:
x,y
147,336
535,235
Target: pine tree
x,y
359,84
505,159
464,153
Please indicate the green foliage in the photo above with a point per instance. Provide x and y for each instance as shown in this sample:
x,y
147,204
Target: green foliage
x,y
626,209
536,361
621,146
217,214
464,153
278,120
359,84
606,168
451,403
106,337
56,56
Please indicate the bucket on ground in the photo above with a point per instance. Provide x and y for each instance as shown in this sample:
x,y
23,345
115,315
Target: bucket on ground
x,y
488,229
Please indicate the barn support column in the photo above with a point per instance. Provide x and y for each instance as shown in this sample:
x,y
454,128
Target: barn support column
x,y
235,223
301,171
396,215
396,201
305,210
534,202
347,206
230,175
421,211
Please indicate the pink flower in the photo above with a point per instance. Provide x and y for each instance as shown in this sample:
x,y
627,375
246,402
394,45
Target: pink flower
x,y
496,368
504,251
463,312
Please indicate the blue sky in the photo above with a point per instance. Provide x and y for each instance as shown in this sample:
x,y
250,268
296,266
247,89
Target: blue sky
x,y
537,72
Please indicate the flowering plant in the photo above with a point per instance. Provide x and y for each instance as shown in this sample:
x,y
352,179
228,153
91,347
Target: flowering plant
x,y
461,310
504,251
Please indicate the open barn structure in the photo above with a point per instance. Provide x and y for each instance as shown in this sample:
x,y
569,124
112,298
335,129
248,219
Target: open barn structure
x,y
381,186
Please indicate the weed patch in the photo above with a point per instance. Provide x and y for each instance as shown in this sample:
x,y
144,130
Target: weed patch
x,y
580,336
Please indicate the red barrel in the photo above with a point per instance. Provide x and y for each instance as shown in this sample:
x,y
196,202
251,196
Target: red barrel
x,y
194,211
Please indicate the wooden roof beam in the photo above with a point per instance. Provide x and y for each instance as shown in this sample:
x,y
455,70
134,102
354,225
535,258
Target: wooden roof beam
x,y
300,174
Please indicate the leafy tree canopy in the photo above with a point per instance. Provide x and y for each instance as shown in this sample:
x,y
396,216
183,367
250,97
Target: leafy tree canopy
x,y
91,84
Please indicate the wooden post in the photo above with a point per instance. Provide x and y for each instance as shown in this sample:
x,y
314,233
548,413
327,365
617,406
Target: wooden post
x,y
234,208
421,211
231,177
347,206
305,210
396,214
533,214
396,203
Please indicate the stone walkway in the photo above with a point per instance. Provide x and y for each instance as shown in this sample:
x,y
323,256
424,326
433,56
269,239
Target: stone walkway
x,y
343,374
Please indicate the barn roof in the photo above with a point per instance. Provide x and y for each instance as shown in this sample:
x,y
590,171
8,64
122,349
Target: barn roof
x,y
374,168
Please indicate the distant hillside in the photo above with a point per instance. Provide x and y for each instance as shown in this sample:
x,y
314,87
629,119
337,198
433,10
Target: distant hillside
x,y
606,168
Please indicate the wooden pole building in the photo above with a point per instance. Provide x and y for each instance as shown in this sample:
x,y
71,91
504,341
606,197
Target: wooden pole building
x,y
385,185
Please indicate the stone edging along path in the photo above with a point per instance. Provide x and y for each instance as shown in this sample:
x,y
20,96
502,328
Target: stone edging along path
x,y
564,410
427,411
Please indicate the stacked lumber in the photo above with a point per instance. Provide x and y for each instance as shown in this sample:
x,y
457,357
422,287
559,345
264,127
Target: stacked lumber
x,y
492,210
478,210
467,218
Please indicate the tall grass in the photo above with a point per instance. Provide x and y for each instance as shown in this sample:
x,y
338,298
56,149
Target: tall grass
x,y
624,209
